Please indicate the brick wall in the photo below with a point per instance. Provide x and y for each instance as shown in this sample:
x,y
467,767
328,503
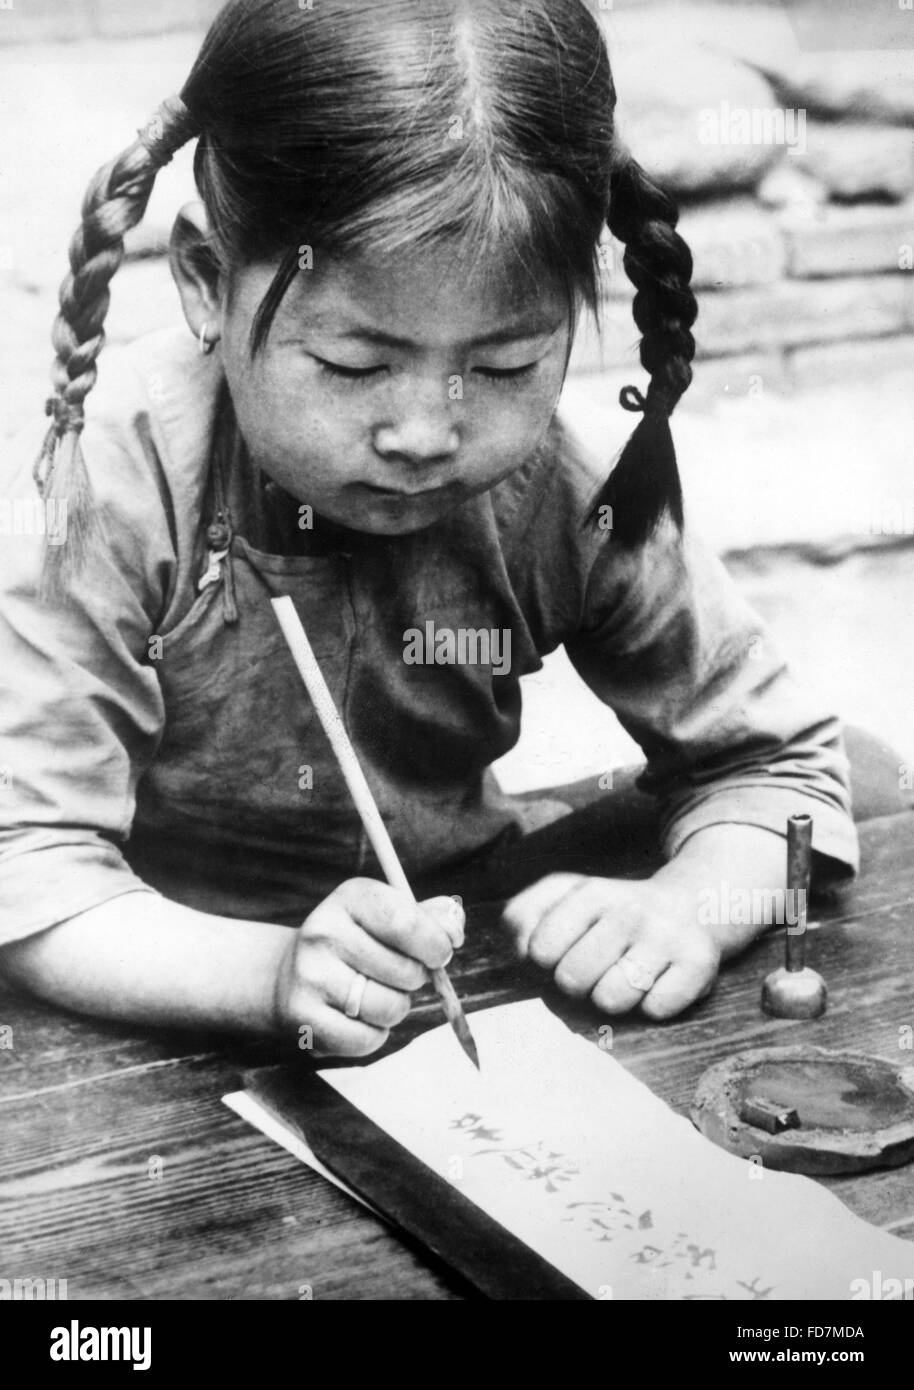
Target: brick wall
x,y
793,299
29,21
804,260
35,21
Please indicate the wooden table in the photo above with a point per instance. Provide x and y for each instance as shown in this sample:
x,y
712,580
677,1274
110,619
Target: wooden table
x,y
122,1172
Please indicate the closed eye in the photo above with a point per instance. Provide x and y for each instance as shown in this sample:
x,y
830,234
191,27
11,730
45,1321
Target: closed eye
x,y
351,373
507,373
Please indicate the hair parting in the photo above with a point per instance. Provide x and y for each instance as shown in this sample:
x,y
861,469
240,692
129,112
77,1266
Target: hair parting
x,y
485,124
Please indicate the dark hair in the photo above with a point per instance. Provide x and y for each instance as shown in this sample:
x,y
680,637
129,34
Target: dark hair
x,y
487,122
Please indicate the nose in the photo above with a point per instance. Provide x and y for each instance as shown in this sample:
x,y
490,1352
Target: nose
x,y
422,430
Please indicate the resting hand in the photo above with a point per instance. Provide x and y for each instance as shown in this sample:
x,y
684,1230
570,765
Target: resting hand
x,y
625,945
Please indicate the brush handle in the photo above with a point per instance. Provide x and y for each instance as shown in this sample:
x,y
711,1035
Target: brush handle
x,y
367,807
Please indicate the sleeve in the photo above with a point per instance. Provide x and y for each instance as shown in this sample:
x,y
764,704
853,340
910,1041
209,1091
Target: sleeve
x,y
81,711
667,641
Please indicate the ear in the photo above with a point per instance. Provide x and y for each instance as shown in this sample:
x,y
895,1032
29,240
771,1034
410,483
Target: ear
x,y
196,271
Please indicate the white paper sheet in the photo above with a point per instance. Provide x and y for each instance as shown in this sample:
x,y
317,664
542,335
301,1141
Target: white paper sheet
x,y
249,1108
561,1145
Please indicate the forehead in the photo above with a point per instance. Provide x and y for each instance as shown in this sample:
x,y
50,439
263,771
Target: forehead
x,y
431,296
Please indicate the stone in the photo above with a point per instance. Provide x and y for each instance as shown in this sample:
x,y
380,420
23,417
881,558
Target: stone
x,y
856,161
125,18
679,112
868,85
37,21
81,104
832,28
44,21
851,241
715,379
886,360
26,356
143,298
733,243
881,1132
833,58
757,35
786,186
748,375
793,313
764,318
22,398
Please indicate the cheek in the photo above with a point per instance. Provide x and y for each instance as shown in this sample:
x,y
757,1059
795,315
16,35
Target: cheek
x,y
517,420
286,418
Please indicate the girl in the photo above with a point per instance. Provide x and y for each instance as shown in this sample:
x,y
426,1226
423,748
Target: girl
x,y
401,209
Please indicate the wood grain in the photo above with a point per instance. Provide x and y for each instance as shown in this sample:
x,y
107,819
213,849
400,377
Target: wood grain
x,y
86,1106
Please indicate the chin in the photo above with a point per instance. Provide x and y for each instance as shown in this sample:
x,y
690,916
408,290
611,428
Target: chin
x,y
394,526
399,517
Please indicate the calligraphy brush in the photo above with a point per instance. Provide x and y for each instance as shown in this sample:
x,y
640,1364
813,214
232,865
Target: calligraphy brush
x,y
311,674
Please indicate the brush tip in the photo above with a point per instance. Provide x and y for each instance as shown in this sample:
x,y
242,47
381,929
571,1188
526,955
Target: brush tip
x,y
468,1044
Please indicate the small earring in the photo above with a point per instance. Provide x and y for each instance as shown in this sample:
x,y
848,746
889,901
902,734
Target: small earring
x,y
205,345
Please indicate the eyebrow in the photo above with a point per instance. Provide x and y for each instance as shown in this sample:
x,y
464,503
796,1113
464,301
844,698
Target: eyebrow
x,y
513,333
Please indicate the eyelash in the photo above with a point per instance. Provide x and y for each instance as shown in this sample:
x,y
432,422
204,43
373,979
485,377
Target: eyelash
x,y
348,373
507,376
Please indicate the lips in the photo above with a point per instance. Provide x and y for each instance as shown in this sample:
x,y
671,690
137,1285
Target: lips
x,y
408,495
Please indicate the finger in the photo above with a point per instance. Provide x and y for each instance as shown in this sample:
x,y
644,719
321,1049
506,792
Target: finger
x,y
614,992
382,1007
678,987
379,1005
566,921
338,1036
588,960
523,913
364,953
322,974
394,918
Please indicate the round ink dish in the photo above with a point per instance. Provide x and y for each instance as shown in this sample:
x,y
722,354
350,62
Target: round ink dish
x,y
856,1112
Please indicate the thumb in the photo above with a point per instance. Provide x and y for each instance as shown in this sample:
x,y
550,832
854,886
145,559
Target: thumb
x,y
448,913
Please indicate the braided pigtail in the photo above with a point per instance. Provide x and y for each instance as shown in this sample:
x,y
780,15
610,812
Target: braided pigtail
x,y
115,201
644,485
